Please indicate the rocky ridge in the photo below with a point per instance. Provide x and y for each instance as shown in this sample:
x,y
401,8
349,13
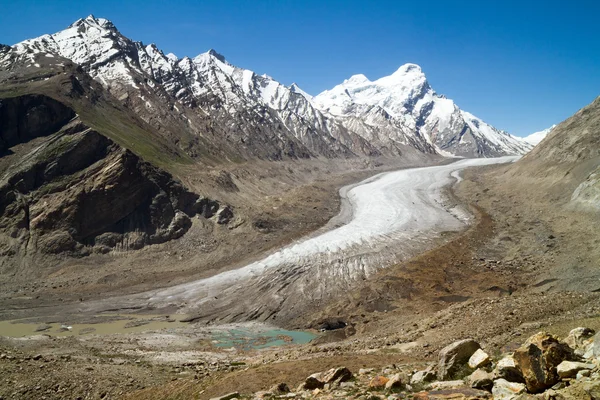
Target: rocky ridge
x,y
404,103
259,116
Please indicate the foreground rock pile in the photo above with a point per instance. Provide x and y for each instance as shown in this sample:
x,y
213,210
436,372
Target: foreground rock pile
x,y
543,367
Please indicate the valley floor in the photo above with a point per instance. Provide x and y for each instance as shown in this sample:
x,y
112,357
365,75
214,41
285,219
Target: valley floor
x,y
508,276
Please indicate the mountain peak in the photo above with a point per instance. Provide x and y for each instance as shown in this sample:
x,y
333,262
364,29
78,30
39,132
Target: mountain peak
x,y
357,79
294,88
217,55
91,20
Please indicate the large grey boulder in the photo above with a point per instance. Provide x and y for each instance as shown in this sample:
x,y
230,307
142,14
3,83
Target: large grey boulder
x,y
454,357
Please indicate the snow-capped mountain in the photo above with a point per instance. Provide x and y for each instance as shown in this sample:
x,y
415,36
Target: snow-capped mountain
x,y
232,108
404,101
535,138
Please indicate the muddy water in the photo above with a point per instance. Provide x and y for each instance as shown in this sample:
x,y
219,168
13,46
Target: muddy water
x,y
110,324
244,339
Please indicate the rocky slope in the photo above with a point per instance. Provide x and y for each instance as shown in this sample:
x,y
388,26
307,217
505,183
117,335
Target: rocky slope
x,y
238,111
567,161
404,105
66,188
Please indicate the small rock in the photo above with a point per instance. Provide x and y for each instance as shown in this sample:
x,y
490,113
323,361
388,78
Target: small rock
x,y
479,359
312,383
427,375
229,396
365,371
378,382
568,369
447,385
584,373
280,388
507,369
37,357
455,356
505,390
480,379
578,338
394,382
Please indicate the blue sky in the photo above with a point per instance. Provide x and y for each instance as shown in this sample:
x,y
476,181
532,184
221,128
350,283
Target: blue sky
x,y
519,65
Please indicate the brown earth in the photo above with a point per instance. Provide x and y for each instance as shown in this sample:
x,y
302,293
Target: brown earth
x,y
492,282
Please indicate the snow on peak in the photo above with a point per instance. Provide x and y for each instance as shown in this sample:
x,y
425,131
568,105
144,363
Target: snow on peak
x,y
357,79
218,56
536,137
294,88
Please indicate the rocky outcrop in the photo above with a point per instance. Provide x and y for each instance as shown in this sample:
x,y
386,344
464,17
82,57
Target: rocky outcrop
x,y
76,191
24,118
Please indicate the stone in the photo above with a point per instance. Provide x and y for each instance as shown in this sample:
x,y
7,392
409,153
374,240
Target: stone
x,y
505,390
596,348
538,358
479,359
446,385
452,394
378,382
280,388
365,371
336,375
584,373
395,382
426,375
568,369
578,338
224,215
480,379
228,396
312,383
507,369
455,356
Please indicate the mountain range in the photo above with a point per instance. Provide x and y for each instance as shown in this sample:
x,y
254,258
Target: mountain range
x,y
211,108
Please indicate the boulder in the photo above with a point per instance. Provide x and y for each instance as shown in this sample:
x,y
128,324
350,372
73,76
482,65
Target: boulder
x,y
538,358
378,382
479,359
394,382
507,369
480,379
579,338
455,356
336,375
505,390
332,376
426,375
568,369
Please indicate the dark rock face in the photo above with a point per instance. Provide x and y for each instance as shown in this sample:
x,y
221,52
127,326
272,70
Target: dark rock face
x,y
79,192
26,117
